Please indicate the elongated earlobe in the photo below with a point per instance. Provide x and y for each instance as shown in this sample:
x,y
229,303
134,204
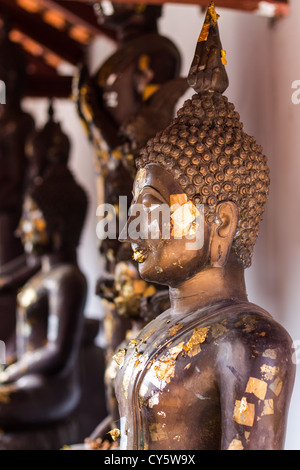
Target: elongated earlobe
x,y
222,234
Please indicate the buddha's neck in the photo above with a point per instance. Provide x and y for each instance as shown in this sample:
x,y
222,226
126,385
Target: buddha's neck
x,y
208,286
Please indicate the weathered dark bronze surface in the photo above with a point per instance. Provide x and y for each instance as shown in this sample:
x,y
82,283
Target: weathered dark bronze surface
x,y
214,371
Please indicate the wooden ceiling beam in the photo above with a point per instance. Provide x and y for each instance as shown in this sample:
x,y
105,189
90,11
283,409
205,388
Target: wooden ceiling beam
x,y
281,7
78,13
37,66
31,25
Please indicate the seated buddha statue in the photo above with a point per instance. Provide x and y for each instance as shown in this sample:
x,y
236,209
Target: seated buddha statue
x,y
214,371
42,385
15,127
45,147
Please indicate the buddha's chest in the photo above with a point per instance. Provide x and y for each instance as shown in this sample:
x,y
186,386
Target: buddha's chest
x,y
165,385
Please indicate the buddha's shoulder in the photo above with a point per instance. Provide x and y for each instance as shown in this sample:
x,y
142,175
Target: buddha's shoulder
x,y
248,326
67,274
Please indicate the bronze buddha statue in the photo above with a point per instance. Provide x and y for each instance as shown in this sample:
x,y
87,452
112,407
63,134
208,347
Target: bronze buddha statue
x,y
121,106
15,127
214,371
45,148
42,384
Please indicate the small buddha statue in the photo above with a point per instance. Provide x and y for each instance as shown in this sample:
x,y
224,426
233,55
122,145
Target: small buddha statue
x,y
42,385
214,371
15,127
46,147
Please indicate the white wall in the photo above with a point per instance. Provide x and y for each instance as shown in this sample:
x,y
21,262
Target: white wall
x,y
262,64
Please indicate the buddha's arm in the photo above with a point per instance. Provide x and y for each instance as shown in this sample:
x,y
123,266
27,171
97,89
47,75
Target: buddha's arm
x,y
256,379
66,304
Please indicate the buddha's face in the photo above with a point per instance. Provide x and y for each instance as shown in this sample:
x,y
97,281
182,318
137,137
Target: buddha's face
x,y
33,228
171,240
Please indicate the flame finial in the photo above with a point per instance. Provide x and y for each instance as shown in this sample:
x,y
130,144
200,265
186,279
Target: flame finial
x,y
207,72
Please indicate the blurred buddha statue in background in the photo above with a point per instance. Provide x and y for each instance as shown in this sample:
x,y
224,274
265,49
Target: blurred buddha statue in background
x,y
42,384
46,147
15,127
214,371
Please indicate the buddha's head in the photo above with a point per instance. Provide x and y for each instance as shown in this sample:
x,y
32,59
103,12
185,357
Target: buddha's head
x,y
54,212
204,163
47,146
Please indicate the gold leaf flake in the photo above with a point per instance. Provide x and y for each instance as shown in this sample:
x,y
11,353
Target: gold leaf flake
x,y
178,199
183,218
119,357
165,369
270,353
223,57
268,372
175,351
276,386
173,329
244,412
204,33
257,387
115,433
192,347
235,444
133,343
268,407
138,256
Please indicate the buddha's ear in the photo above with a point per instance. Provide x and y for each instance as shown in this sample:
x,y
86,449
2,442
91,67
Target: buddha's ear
x,y
222,233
